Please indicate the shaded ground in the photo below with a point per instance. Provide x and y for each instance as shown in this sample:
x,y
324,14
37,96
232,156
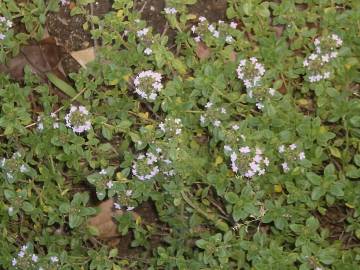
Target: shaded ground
x,y
151,11
213,10
335,221
69,35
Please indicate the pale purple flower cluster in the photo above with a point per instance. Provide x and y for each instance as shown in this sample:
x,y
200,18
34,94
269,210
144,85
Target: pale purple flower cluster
x,y
213,115
148,51
249,162
148,84
17,167
40,124
23,256
250,72
318,62
65,2
168,170
78,119
147,166
170,11
259,94
291,154
166,165
119,206
233,138
26,257
216,30
5,25
171,126
143,32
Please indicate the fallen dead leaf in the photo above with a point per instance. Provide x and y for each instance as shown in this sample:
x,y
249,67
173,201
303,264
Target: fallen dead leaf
x,y
41,58
233,56
278,29
72,5
104,222
283,89
202,51
84,56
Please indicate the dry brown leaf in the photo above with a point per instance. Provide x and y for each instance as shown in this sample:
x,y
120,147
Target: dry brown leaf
x,y
104,222
42,58
283,89
202,51
84,56
278,29
233,56
72,5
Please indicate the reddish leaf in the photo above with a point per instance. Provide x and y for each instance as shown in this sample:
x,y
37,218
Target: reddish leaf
x,y
278,29
202,51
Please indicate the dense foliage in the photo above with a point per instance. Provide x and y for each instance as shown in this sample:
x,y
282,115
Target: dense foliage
x,y
244,134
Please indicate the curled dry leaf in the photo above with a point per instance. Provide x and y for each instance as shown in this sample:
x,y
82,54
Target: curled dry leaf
x,y
202,51
278,29
283,89
84,56
233,56
104,222
41,58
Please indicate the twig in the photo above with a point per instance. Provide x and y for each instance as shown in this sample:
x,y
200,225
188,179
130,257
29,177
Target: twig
x,y
143,7
166,27
142,117
195,207
226,215
92,24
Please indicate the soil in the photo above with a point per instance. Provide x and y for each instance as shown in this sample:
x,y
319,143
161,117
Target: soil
x,y
151,11
334,220
213,10
149,216
70,36
68,30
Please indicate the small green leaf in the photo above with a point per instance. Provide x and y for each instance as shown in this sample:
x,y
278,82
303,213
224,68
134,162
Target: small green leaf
x,y
312,223
64,208
247,8
355,121
93,230
317,193
313,178
63,86
357,160
231,197
352,172
113,253
27,207
337,190
201,243
327,256
335,152
75,221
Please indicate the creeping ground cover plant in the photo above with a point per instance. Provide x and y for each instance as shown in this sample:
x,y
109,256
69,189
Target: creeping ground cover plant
x,y
230,139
